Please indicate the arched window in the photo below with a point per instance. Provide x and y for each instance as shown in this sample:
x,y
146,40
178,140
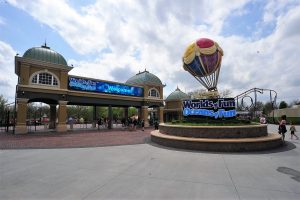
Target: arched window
x,y
44,78
153,92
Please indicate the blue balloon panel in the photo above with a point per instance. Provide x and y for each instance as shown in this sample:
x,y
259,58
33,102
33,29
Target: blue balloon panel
x,y
197,67
89,85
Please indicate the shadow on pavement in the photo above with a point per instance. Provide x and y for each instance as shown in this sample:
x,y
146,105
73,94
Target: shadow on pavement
x,y
295,174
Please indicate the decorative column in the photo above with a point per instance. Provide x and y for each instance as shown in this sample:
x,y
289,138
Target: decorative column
x,y
94,116
126,113
110,119
52,117
21,116
161,114
140,113
145,115
62,116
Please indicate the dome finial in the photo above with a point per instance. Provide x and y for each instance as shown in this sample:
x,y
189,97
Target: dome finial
x,y
45,44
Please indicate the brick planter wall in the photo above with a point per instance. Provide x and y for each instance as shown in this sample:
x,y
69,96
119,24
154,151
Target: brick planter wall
x,y
248,131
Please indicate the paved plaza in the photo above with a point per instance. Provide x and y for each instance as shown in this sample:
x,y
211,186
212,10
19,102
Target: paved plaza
x,y
144,170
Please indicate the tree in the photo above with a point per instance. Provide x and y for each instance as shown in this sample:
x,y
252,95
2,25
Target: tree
x,y
118,112
132,111
3,101
268,107
225,93
259,106
203,94
255,110
283,104
36,110
78,112
197,94
102,112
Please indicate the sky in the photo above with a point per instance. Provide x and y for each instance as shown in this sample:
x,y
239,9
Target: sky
x,y
115,39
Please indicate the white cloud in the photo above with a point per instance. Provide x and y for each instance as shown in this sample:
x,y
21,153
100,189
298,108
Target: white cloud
x,y
82,32
2,21
8,79
159,31
275,8
270,62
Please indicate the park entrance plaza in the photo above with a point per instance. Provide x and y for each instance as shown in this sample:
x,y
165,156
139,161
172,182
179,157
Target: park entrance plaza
x,y
43,76
122,164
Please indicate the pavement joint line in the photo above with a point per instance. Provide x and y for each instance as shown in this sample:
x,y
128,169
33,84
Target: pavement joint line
x,y
237,192
178,180
113,178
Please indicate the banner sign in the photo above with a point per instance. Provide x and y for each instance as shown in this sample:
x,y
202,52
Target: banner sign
x,y
216,108
89,85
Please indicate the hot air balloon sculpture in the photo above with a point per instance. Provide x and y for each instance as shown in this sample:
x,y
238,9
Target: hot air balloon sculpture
x,y
202,59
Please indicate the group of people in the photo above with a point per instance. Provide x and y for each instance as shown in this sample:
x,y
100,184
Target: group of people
x,y
131,123
282,128
102,122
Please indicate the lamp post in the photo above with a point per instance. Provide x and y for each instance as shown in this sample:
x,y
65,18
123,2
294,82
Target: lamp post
x,y
35,118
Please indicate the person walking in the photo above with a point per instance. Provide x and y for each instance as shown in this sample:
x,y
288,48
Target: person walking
x,y
134,123
81,121
282,126
99,123
71,122
156,125
143,125
293,130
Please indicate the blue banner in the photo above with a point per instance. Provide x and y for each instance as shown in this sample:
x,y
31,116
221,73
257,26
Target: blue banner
x,y
89,85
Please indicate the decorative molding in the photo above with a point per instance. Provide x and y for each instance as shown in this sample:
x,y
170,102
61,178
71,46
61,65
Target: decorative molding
x,y
62,102
149,91
22,100
32,62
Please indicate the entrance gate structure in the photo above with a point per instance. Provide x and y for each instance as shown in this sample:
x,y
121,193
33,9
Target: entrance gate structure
x,y
43,77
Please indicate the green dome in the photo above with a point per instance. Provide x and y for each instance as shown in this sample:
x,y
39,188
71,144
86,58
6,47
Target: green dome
x,y
45,54
144,78
177,95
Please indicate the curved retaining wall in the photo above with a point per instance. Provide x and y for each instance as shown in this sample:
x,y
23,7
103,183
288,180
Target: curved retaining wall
x,y
248,131
221,145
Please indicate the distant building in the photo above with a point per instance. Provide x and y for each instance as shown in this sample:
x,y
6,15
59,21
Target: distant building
x,y
292,114
173,105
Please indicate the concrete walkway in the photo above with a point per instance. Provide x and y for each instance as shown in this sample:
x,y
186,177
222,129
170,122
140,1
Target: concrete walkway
x,y
148,171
